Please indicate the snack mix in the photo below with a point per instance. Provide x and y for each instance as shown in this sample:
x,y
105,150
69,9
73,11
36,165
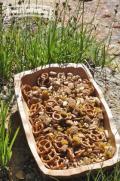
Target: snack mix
x,y
67,121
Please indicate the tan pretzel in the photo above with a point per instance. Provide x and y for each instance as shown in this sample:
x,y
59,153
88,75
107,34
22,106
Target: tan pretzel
x,y
32,100
49,157
79,153
35,109
43,80
85,143
61,75
56,116
44,146
89,109
61,143
70,154
31,93
95,135
48,136
37,128
58,163
49,105
89,89
25,89
33,120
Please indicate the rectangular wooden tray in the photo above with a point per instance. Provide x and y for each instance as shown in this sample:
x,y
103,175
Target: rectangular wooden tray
x,y
29,77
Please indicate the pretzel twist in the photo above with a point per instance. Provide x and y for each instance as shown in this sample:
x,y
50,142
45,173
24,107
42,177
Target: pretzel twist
x,y
44,146
37,128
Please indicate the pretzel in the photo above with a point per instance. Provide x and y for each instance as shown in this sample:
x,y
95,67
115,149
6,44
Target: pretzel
x,y
58,163
37,128
61,75
44,146
48,136
35,109
31,94
49,157
85,143
25,89
61,143
89,89
43,80
32,100
33,120
79,153
95,135
56,116
70,154
49,105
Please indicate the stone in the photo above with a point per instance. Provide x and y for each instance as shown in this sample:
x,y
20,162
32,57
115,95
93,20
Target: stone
x,y
116,26
106,16
20,175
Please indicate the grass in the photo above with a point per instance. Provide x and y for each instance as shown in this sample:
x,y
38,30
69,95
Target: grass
x,y
111,174
32,42
26,45
6,142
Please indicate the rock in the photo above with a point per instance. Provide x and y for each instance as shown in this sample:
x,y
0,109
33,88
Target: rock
x,y
106,16
117,53
20,175
4,97
117,26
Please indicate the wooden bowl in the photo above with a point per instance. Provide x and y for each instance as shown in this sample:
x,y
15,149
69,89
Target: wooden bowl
x,y
30,77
